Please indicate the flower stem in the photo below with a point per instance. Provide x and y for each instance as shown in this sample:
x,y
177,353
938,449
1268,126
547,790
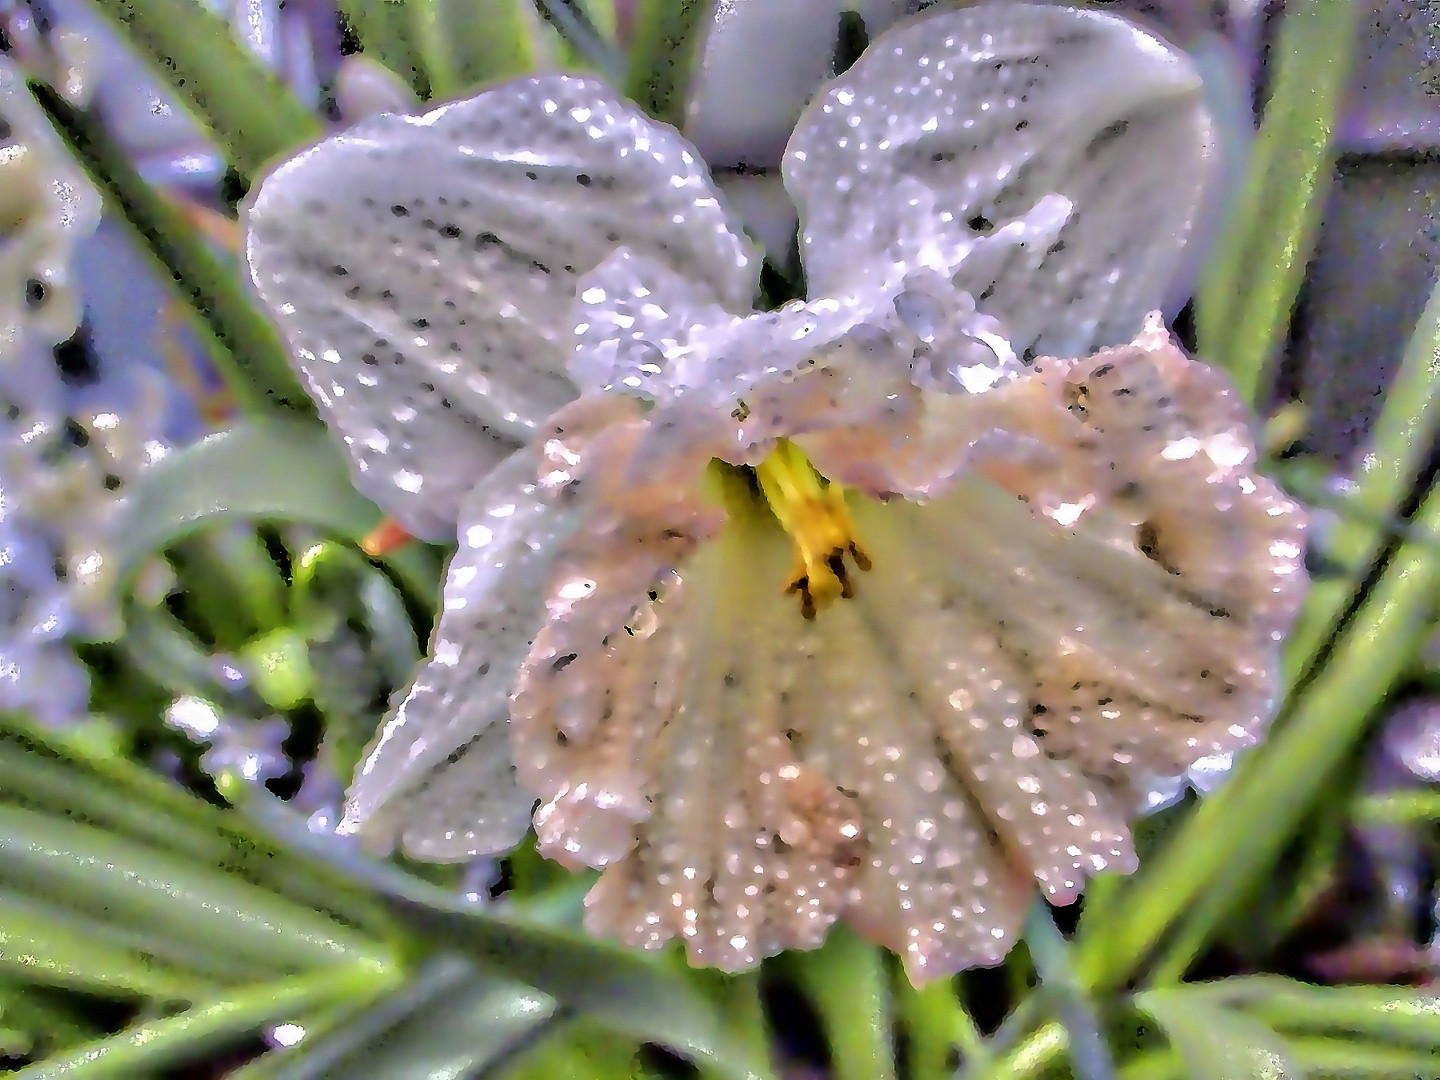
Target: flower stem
x,y
846,980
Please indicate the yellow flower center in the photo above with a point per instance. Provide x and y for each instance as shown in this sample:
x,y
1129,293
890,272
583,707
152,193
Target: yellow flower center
x,y
812,511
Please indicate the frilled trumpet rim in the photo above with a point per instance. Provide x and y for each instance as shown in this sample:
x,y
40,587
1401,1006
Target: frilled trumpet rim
x,y
1067,582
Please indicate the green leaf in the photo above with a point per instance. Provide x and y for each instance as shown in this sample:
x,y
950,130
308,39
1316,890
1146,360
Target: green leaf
x,y
47,947
1250,285
275,469
44,1018
845,979
172,900
252,113
665,47
466,43
1215,1043
45,770
266,469
383,29
1397,449
937,1023
146,1048
243,346
1384,1013
451,1020
1357,1059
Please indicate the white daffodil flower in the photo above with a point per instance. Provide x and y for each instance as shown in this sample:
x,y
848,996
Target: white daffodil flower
x,y
866,607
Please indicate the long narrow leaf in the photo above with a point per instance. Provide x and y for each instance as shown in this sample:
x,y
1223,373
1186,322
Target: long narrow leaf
x,y
665,46
274,469
251,112
107,877
1250,285
146,1048
251,358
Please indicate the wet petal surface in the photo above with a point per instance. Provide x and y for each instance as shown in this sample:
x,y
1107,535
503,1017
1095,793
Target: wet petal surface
x,y
423,268
437,781
1070,582
1052,159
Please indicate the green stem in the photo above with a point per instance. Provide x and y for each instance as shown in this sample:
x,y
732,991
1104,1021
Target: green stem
x,y
1396,451
1034,1054
665,46
192,826
1418,807
253,114
252,360
382,27
433,43
489,40
937,1023
1249,287
51,947
104,876
1050,953
846,980
161,1044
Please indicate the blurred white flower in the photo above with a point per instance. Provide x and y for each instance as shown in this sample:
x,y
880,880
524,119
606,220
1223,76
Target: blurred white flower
x,y
867,607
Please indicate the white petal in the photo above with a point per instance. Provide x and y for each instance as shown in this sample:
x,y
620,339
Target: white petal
x,y
634,317
422,268
438,778
761,64
1056,158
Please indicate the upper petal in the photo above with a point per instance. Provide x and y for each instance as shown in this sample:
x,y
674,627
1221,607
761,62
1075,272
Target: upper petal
x,y
423,267
1054,160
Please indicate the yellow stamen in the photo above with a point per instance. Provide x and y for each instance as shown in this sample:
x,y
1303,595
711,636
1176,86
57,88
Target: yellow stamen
x,y
813,511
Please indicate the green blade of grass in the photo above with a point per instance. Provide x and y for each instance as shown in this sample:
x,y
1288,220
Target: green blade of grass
x,y
247,352
1393,1014
383,29
845,979
95,782
49,947
149,1047
274,469
624,990
937,1024
1214,1042
1395,452
1250,283
665,46
467,43
106,877
466,1023
252,113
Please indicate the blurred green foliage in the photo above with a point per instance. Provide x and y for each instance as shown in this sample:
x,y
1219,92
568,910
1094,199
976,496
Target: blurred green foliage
x,y
205,918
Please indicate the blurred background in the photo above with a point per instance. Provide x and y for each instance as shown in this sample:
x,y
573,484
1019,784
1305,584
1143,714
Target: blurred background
x,y
201,625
